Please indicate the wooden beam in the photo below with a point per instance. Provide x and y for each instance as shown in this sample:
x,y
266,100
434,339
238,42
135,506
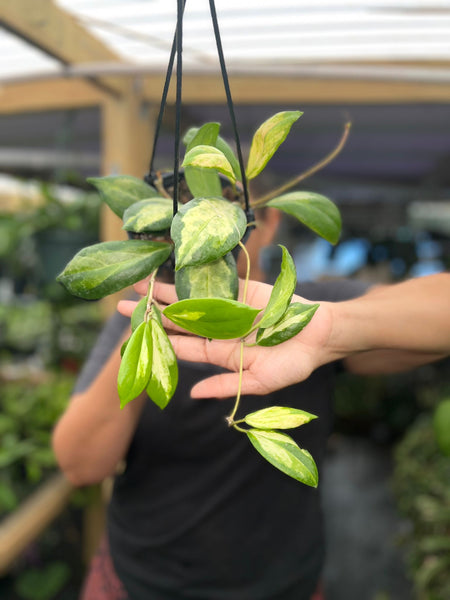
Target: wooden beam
x,y
208,89
48,27
45,25
23,526
56,94
127,135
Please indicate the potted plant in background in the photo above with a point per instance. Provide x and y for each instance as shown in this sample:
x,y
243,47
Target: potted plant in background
x,y
421,485
198,242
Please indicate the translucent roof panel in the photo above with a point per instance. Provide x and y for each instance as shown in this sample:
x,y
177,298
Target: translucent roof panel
x,y
19,58
256,34
268,31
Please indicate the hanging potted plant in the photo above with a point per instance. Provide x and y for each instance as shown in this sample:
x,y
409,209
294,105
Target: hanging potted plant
x,y
198,244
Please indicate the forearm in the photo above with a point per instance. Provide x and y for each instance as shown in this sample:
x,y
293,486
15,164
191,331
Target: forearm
x,y
395,327
93,435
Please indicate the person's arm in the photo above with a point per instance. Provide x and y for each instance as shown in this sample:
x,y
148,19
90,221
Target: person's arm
x,y
392,328
396,327
93,434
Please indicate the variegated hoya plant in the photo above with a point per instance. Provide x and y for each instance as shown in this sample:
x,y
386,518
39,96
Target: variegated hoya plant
x,y
203,234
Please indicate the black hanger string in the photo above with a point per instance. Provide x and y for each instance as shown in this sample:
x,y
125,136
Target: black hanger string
x,y
230,104
150,177
176,170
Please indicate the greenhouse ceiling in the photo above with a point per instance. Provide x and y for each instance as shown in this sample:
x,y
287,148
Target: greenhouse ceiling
x,y
384,39
379,63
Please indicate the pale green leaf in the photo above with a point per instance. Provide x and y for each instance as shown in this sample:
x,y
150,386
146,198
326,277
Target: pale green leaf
x,y
203,182
215,279
296,317
121,191
209,157
282,291
135,367
224,147
267,139
278,417
164,371
283,453
108,267
212,317
154,214
205,229
156,314
313,210
221,145
205,135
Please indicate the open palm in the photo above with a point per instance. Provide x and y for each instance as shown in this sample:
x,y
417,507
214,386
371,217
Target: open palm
x,y
265,369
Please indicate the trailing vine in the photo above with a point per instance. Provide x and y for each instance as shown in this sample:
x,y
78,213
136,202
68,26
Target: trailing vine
x,y
199,242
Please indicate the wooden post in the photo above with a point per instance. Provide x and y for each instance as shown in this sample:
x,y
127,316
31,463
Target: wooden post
x,y
127,135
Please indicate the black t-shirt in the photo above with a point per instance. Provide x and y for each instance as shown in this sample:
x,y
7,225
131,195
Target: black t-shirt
x,y
198,513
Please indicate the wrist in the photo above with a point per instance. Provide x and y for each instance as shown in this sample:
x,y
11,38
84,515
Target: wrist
x,y
349,330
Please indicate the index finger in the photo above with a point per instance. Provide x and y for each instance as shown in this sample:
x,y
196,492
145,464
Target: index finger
x,y
165,292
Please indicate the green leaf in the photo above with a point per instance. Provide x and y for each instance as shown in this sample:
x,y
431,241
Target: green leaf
x,y
296,317
313,210
205,229
123,347
441,426
221,145
209,157
120,191
44,583
432,544
207,134
8,497
136,364
224,147
154,214
217,279
270,135
203,182
284,454
164,376
108,267
278,417
189,135
156,315
282,291
138,314
212,317
429,571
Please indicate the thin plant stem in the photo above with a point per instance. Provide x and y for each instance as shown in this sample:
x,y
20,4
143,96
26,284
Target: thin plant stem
x,y
317,167
241,356
247,272
238,395
239,428
159,185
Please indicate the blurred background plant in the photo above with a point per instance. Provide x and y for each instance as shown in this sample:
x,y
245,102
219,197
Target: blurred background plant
x,y
45,335
421,483
28,411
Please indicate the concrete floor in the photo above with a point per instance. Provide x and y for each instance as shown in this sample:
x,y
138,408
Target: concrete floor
x,y
364,560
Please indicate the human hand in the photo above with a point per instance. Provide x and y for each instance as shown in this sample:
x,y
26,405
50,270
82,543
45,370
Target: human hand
x,y
265,369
